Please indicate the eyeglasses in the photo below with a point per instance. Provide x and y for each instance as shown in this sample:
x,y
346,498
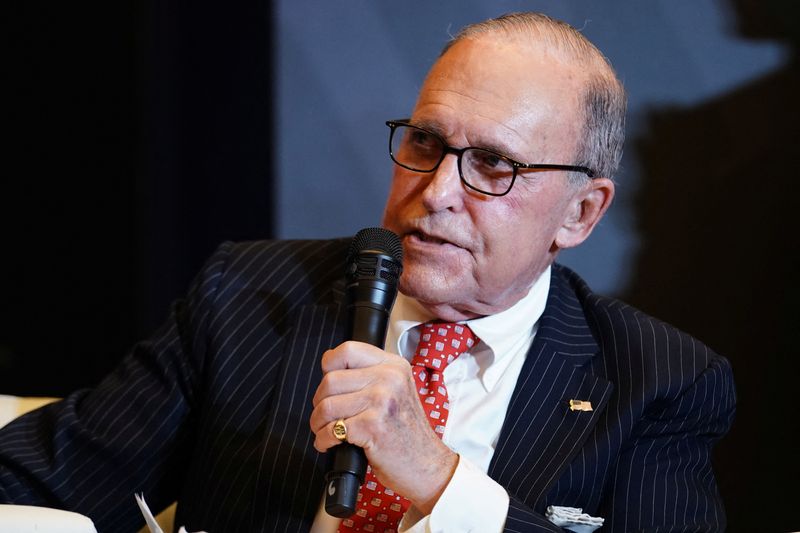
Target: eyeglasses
x,y
480,169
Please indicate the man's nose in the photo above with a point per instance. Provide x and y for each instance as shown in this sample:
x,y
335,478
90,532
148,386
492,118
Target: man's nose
x,y
444,190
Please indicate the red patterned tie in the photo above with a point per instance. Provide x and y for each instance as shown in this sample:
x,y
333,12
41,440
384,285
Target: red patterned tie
x,y
380,508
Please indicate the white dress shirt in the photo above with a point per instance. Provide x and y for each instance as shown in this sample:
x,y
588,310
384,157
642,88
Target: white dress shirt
x,y
479,385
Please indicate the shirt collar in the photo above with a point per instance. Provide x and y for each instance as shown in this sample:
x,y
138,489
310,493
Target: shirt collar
x,y
502,333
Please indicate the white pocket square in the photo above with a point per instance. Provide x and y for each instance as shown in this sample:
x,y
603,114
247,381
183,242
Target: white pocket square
x,y
573,519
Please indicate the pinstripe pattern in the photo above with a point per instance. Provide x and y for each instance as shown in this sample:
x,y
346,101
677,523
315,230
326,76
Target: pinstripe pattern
x,y
641,459
213,410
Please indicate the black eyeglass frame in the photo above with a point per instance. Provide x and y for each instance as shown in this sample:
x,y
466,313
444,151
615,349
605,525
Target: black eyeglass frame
x,y
459,152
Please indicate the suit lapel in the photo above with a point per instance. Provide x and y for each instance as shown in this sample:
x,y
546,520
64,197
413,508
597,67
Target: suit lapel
x,y
541,434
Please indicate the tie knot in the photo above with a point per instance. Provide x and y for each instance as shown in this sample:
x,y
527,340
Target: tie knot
x,y
441,342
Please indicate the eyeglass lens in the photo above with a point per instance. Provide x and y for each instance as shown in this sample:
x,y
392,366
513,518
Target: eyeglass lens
x,y
422,151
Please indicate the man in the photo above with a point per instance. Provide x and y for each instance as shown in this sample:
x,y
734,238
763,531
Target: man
x,y
563,398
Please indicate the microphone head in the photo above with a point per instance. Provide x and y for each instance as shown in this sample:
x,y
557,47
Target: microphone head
x,y
375,253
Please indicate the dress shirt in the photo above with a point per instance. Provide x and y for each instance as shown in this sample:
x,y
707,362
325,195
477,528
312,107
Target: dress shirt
x,y
479,384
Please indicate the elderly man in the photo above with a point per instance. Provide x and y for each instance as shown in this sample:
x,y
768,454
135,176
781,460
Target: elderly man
x,y
506,386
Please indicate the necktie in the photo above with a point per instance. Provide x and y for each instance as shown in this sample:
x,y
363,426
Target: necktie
x,y
379,509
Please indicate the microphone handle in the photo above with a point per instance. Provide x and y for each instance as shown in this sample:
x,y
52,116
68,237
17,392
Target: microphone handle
x,y
368,324
344,478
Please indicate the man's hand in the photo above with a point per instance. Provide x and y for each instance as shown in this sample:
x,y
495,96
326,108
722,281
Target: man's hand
x,y
374,392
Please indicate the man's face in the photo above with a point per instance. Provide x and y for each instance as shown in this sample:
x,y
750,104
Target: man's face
x,y
468,254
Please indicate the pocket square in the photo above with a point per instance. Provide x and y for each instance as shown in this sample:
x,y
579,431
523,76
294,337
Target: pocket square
x,y
573,519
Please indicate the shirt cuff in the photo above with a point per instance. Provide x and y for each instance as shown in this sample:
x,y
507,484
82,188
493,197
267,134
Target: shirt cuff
x,y
469,488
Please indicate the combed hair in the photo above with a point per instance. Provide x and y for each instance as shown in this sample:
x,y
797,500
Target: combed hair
x,y
604,99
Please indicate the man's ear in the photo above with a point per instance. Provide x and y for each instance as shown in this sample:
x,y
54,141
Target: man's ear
x,y
585,210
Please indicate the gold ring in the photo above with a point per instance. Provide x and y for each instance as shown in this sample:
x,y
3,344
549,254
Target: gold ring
x,y
340,430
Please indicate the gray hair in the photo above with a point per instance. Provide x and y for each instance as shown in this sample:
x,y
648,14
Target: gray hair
x,y
604,100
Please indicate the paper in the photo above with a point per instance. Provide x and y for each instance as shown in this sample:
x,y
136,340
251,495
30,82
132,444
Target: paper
x,y
149,519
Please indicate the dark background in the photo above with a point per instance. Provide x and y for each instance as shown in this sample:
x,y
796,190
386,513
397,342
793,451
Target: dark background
x,y
142,134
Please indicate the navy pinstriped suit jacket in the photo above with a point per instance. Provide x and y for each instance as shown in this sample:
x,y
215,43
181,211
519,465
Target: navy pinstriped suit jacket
x,y
214,409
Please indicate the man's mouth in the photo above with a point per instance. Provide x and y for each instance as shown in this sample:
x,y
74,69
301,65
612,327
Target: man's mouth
x,y
430,239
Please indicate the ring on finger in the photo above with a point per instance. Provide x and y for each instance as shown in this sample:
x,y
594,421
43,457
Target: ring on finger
x,y
340,430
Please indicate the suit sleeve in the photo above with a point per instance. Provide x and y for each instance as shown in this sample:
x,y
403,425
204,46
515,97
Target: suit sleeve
x,y
90,452
662,479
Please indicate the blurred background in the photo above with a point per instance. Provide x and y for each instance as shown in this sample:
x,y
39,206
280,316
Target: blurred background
x,y
141,134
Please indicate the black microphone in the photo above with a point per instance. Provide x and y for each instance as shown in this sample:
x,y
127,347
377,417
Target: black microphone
x,y
373,267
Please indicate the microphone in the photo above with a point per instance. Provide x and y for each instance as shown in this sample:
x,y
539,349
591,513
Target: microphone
x,y
373,267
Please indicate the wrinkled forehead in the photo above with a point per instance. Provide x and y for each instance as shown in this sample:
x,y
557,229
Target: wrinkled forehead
x,y
511,88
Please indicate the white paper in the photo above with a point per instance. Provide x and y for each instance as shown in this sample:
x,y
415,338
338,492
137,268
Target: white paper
x,y
149,519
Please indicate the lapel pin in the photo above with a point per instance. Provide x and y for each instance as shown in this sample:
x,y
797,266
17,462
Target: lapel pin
x,y
580,405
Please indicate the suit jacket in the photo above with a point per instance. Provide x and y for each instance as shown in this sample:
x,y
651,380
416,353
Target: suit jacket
x,y
213,410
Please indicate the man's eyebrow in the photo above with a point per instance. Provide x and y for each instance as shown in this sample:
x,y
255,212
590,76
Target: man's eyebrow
x,y
491,145
502,149
433,127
